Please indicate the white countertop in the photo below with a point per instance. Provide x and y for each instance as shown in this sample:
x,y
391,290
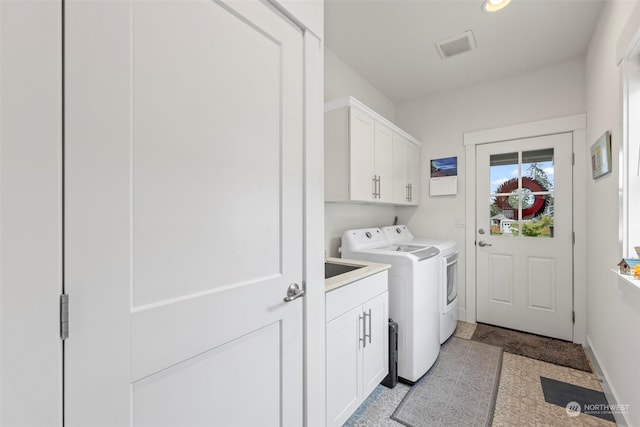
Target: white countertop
x,y
368,269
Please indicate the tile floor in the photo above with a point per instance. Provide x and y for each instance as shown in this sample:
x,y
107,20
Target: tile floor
x,y
520,400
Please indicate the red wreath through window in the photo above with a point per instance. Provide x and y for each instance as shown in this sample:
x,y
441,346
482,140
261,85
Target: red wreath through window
x,y
539,202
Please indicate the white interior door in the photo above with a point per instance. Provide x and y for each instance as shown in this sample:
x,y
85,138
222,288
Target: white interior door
x,y
183,214
524,240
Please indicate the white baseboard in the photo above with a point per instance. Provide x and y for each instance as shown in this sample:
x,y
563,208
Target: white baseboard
x,y
606,388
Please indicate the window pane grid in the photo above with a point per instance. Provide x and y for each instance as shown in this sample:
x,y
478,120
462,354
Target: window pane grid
x,y
521,193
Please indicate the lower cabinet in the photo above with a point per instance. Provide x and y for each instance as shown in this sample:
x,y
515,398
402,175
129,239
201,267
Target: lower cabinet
x,y
357,340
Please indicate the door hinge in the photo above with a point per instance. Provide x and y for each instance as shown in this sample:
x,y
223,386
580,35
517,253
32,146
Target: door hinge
x,y
64,316
573,158
573,237
573,316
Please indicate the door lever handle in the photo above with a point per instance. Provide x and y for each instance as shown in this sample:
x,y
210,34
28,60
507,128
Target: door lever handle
x,y
482,243
293,292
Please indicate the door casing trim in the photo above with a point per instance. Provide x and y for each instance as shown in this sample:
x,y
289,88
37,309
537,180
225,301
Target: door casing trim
x,y
576,124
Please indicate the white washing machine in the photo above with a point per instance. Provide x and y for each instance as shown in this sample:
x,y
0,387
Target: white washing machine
x,y
448,297
413,295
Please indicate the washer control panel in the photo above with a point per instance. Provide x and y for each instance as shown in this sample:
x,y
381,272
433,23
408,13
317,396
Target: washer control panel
x,y
364,238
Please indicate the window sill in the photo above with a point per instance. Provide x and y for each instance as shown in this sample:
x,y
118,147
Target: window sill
x,y
635,283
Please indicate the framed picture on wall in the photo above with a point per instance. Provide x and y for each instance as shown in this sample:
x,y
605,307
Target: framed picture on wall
x,y
444,176
601,156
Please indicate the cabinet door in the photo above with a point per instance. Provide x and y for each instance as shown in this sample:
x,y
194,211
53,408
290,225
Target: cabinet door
x,y
383,162
361,146
400,192
412,154
406,171
344,376
375,359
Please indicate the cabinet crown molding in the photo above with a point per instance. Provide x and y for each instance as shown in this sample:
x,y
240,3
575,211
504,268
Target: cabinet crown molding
x,y
350,101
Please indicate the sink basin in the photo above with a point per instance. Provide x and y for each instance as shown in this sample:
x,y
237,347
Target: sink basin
x,y
331,269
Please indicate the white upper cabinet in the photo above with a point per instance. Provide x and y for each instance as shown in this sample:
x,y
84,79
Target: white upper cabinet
x,y
361,163
361,151
413,174
383,163
406,171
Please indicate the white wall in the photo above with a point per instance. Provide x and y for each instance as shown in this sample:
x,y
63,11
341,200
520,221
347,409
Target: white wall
x,y
440,121
340,81
613,315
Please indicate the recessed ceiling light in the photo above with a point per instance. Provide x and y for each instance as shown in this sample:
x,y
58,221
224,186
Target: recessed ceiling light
x,y
494,5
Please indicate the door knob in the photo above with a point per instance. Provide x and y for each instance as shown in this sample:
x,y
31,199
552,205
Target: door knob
x,y
482,243
293,292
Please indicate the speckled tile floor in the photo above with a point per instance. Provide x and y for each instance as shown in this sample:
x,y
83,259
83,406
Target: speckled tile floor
x,y
520,401
465,330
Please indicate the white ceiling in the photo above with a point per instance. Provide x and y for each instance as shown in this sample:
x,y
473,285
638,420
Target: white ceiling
x,y
391,43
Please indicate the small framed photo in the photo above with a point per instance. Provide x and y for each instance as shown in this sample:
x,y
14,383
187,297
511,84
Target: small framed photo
x,y
447,166
601,156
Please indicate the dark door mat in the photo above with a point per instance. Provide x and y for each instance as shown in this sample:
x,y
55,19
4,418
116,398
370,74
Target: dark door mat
x,y
592,402
550,350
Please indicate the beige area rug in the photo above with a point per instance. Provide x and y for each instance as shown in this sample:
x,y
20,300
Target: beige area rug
x,y
459,390
550,350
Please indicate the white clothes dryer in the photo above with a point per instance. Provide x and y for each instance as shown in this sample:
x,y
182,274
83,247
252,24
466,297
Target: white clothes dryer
x,y
448,276
413,295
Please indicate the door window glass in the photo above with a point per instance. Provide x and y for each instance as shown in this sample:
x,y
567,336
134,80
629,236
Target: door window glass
x,y
521,193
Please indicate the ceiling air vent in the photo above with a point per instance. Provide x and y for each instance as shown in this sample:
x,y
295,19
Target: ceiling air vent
x,y
456,44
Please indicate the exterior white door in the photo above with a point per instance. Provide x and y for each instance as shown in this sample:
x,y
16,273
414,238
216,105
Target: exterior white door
x,y
183,207
524,240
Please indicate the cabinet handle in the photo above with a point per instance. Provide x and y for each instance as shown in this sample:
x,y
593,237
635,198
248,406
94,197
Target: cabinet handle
x,y
373,183
375,186
378,186
406,191
365,329
410,192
